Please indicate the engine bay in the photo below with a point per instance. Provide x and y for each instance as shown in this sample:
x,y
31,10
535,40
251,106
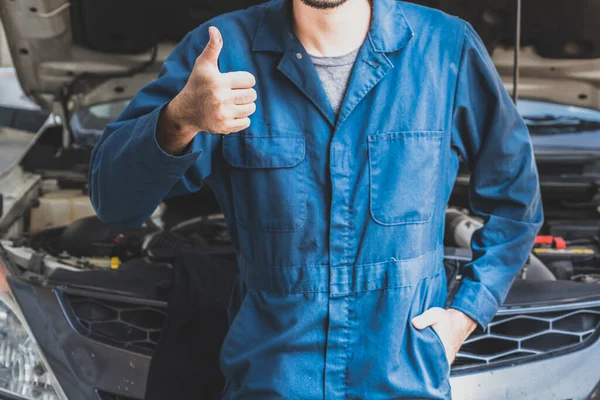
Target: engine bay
x,y
565,250
57,229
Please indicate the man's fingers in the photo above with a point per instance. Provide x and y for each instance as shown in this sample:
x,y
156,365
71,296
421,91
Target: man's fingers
x,y
428,318
239,124
211,52
244,110
244,96
240,80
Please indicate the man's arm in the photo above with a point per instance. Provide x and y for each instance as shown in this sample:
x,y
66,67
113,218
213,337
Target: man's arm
x,y
162,144
492,138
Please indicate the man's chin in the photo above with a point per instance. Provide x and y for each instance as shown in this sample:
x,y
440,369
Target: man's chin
x,y
324,4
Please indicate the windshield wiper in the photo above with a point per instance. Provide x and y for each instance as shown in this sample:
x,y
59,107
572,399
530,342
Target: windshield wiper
x,y
552,125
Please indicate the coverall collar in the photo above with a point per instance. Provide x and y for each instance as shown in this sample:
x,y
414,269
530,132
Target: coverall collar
x,y
389,29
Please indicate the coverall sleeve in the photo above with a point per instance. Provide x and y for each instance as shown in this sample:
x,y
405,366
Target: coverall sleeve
x,y
492,138
129,173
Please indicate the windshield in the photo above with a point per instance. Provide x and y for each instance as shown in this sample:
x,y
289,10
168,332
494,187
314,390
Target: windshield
x,y
552,119
542,119
89,123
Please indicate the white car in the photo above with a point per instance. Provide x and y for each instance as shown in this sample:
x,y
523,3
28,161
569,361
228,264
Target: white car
x,y
84,305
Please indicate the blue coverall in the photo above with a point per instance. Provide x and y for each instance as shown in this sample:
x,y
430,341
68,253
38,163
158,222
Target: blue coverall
x,y
338,222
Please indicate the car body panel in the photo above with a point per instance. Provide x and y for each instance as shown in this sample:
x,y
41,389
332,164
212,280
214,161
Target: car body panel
x,y
82,366
41,36
572,376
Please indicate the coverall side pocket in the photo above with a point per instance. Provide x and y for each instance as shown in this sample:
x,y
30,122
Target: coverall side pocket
x,y
268,180
404,174
430,362
440,344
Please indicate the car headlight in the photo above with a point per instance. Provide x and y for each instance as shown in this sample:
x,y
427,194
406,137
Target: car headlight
x,y
24,373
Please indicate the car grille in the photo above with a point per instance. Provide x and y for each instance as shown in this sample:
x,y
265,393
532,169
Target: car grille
x,y
515,335
125,324
518,335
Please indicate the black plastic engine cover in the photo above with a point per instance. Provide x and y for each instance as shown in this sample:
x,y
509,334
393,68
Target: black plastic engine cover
x,y
90,237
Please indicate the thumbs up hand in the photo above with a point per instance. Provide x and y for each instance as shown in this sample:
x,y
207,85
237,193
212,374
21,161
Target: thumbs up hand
x,y
226,99
211,101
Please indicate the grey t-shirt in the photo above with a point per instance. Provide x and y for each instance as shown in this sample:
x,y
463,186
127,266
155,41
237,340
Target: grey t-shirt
x,y
334,73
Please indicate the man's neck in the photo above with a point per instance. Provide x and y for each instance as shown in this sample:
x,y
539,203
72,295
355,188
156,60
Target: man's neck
x,y
332,32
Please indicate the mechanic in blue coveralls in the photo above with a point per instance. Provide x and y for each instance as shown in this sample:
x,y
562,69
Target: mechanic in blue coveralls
x,y
331,133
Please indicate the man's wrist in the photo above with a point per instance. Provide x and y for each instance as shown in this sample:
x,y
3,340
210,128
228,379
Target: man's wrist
x,y
467,324
173,134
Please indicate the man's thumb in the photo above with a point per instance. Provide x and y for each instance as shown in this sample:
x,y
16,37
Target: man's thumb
x,y
213,47
428,318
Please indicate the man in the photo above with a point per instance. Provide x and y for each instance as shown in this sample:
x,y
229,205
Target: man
x,y
331,133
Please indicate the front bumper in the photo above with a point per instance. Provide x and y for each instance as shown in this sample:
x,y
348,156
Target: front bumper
x,y
85,366
81,365
574,376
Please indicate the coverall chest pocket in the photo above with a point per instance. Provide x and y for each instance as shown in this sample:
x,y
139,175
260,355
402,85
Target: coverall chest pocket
x,y
403,173
268,181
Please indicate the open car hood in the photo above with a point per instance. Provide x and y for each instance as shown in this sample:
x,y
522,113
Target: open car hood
x,y
85,52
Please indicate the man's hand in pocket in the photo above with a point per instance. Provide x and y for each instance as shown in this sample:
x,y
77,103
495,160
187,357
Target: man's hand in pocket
x,y
452,326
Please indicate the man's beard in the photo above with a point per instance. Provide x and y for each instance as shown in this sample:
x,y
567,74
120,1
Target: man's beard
x,y
324,4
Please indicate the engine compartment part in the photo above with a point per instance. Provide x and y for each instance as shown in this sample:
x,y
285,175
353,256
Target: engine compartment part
x,y
460,228
90,244
90,237
574,258
580,230
60,208
567,249
19,190
537,270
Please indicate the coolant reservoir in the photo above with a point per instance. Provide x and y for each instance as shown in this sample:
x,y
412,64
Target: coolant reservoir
x,y
60,208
